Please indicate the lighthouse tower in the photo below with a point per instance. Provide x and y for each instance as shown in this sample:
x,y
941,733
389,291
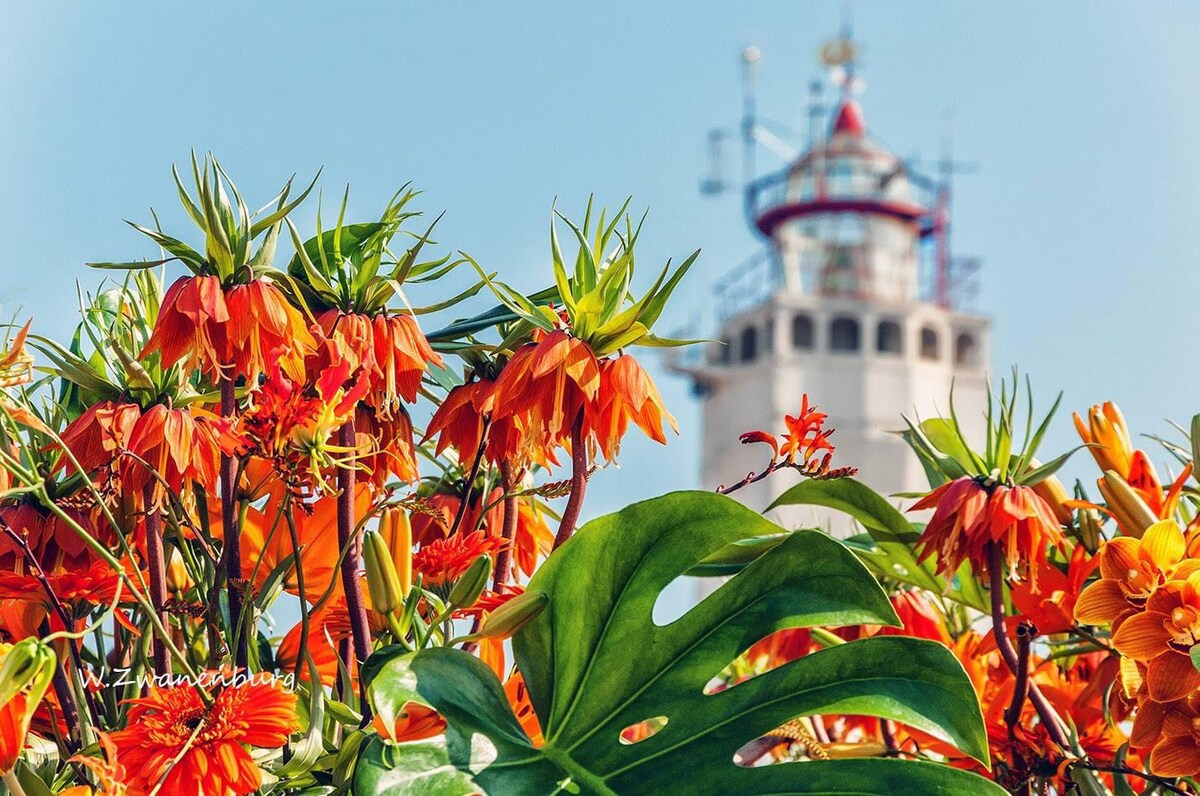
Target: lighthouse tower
x,y
855,301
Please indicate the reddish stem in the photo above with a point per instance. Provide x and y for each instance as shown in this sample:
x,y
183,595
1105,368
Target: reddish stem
x,y
509,527
349,541
232,553
155,561
1045,711
579,467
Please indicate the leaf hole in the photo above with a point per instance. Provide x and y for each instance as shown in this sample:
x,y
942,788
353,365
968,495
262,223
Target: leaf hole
x,y
681,595
769,652
636,733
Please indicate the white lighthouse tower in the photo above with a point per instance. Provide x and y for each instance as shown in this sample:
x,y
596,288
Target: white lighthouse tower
x,y
855,301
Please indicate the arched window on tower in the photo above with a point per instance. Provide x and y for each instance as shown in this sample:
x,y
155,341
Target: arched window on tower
x,y
929,343
748,348
803,336
889,339
844,334
966,350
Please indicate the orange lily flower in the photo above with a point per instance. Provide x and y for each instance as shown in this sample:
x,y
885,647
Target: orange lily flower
x,y
1107,437
264,549
1131,570
1051,608
1162,636
413,723
110,774
627,394
969,514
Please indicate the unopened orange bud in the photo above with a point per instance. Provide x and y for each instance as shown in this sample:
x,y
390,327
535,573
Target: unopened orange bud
x,y
1127,506
396,529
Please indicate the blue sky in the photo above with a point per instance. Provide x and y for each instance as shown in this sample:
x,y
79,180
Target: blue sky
x,y
1083,116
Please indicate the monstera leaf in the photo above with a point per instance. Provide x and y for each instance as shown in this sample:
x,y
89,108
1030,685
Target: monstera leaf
x,y
596,663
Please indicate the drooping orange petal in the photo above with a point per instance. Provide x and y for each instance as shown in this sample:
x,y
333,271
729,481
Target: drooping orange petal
x,y
1142,636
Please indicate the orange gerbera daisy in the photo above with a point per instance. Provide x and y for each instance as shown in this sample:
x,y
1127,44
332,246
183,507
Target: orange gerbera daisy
x,y
1162,636
95,585
443,561
627,393
545,387
532,539
971,513
175,743
170,449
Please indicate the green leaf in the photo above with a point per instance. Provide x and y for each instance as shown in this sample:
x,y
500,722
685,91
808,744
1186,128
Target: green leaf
x,y
893,534
595,663
881,519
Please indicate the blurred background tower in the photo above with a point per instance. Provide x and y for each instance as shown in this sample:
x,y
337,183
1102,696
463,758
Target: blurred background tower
x,y
855,300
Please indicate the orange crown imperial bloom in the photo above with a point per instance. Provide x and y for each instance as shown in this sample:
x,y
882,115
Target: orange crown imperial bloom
x,y
177,449
98,435
174,742
546,385
458,421
204,325
388,349
1162,636
969,515
627,394
262,322
1131,570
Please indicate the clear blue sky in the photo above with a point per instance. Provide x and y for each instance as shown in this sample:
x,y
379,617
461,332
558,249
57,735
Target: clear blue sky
x,y
1084,117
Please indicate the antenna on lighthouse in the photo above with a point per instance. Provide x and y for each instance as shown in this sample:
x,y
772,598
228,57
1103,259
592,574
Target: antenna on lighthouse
x,y
750,58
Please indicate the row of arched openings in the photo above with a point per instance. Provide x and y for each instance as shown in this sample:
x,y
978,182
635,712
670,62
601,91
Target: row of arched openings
x,y
845,336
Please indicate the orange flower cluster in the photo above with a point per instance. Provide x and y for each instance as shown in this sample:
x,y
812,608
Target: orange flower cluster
x,y
229,331
177,744
971,515
548,386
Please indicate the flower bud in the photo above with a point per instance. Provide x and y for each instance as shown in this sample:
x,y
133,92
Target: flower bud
x,y
472,583
513,614
396,529
27,664
383,582
178,579
1131,512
